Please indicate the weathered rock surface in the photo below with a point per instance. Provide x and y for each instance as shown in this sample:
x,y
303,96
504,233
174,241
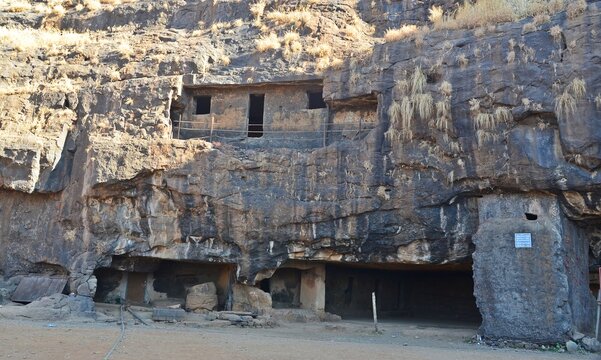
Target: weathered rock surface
x,y
202,297
251,299
90,172
571,346
54,307
591,344
520,278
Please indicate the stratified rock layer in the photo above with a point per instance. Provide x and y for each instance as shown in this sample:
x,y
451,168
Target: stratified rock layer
x,y
99,175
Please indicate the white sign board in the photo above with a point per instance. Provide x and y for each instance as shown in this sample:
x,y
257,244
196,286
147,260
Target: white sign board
x,y
523,240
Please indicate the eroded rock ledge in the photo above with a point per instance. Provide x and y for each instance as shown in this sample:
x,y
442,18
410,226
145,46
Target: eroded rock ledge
x,y
100,187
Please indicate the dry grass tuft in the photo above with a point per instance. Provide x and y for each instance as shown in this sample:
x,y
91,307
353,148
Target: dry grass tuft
x,y
529,27
578,88
446,88
485,121
443,115
474,106
224,60
321,50
292,45
486,124
423,105
18,6
336,63
323,63
296,18
92,5
62,84
394,112
29,40
290,37
258,8
503,115
418,81
218,26
58,10
510,57
414,102
401,33
268,42
462,60
484,137
565,105
436,15
541,19
576,8
555,32
402,87
125,49
480,13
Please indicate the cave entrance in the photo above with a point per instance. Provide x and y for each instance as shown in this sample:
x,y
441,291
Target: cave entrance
x,y
156,282
297,285
136,288
416,292
255,115
284,287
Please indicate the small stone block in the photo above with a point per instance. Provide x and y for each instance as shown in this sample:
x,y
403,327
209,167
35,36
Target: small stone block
x,y
168,314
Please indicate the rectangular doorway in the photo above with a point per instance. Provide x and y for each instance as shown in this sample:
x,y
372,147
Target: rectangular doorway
x,y
255,115
429,293
136,287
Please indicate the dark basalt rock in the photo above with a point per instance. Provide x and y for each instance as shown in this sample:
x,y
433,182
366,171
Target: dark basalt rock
x,y
449,196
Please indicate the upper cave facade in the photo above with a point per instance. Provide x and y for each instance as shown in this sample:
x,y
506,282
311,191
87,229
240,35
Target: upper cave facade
x,y
273,114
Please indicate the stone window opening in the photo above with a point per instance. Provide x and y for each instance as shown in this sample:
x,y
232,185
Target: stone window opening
x,y
531,217
203,105
316,100
255,115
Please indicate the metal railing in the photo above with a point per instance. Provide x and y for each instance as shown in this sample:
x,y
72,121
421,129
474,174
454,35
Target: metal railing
x,y
323,133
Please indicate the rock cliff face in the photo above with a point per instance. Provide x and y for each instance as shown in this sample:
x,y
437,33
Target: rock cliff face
x,y
89,168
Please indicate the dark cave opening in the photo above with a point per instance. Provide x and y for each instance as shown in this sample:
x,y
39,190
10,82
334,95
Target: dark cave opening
x,y
316,100
284,287
148,281
255,115
416,293
203,105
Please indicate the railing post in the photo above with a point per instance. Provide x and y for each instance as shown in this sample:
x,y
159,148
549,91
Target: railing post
x,y
326,121
212,123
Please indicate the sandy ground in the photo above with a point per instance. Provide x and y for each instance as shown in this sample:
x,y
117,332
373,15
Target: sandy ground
x,y
346,340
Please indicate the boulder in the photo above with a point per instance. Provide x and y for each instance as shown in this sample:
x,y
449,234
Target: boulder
x,y
591,344
202,297
571,346
171,315
230,317
251,299
54,307
577,336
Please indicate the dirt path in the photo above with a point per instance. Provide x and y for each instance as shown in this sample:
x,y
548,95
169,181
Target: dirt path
x,y
346,341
